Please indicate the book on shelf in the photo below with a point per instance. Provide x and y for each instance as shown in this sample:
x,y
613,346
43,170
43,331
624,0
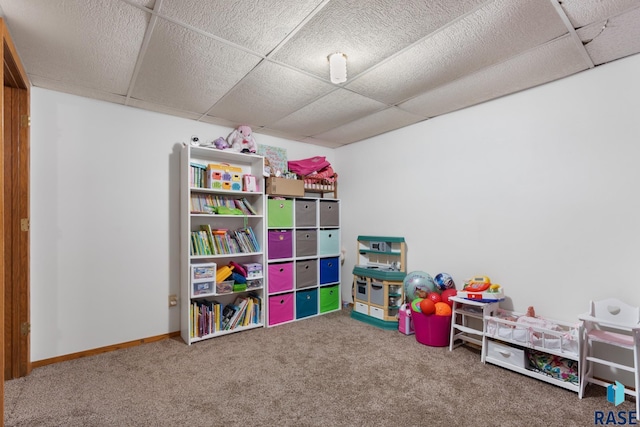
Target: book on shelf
x,y
204,315
228,312
241,303
197,175
206,203
249,206
209,237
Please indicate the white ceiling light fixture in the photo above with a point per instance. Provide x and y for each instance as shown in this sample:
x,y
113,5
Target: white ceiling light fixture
x,y
338,67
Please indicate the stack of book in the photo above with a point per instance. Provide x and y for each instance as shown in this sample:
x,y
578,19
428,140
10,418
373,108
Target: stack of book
x,y
208,241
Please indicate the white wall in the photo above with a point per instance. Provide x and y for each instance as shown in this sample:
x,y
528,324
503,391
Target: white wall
x,y
105,220
539,190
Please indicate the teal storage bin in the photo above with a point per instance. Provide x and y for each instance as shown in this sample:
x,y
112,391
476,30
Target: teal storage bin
x,y
306,303
329,242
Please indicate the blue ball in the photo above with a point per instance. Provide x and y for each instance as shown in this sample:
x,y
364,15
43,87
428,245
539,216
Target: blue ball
x,y
444,281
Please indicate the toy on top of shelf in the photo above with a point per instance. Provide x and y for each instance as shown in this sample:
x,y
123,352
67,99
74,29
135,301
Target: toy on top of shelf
x,y
477,284
241,140
481,289
221,143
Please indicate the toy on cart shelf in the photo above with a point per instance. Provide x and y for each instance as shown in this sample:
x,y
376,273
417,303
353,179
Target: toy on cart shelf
x,y
480,288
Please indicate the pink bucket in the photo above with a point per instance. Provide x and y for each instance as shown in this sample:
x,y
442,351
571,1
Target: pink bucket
x,y
431,330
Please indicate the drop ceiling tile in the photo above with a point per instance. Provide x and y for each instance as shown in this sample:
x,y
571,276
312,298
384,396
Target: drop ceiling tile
x,y
158,108
221,122
96,47
188,71
552,61
366,31
258,26
322,142
490,35
585,12
330,111
612,39
372,125
276,133
149,4
74,89
269,93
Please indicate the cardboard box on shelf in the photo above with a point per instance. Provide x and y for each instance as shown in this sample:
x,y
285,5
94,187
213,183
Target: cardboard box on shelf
x,y
285,187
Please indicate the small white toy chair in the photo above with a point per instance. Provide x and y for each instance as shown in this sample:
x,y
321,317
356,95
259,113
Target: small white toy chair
x,y
616,324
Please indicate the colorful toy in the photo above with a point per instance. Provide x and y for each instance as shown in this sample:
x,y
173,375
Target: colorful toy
x,y
415,304
442,309
405,322
427,306
221,143
444,281
241,140
477,284
479,288
418,284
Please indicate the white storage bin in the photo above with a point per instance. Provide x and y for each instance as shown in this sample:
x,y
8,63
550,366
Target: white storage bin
x,y
506,354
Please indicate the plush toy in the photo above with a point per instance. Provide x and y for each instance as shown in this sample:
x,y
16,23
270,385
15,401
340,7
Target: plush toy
x,y
241,140
221,143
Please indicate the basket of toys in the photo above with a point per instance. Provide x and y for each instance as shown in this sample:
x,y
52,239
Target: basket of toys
x,y
431,321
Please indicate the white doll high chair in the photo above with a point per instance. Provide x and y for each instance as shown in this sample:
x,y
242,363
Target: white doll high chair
x,y
615,324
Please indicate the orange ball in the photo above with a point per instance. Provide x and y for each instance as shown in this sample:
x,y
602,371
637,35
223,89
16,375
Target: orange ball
x,y
442,309
427,306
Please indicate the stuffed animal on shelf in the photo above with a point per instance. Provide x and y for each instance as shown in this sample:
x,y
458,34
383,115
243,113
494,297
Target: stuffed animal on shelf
x,y
241,140
221,143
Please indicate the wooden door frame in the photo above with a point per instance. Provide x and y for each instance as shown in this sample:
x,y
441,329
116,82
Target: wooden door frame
x,y
15,133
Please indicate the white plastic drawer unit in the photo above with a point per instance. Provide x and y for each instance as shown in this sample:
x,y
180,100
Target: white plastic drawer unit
x,y
506,354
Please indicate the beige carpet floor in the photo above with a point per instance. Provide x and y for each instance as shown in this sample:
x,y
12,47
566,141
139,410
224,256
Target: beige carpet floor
x,y
328,370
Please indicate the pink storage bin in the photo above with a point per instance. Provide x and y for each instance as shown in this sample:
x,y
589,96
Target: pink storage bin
x,y
431,330
280,308
280,277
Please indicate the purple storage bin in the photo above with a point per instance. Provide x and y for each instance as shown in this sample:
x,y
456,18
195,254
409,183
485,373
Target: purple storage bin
x,y
280,244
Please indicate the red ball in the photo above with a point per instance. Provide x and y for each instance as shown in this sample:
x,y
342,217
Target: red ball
x,y
427,306
448,293
434,296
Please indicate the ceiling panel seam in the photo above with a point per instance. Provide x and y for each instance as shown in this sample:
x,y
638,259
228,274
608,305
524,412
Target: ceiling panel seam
x,y
421,40
480,70
143,49
298,27
572,31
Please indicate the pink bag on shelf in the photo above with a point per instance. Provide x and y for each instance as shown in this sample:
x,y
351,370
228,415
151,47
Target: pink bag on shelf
x,y
307,166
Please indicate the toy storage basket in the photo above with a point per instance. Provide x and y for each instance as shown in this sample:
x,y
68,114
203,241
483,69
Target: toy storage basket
x,y
431,330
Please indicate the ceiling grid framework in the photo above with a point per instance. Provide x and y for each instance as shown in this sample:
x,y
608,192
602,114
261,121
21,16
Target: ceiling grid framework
x,y
264,63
